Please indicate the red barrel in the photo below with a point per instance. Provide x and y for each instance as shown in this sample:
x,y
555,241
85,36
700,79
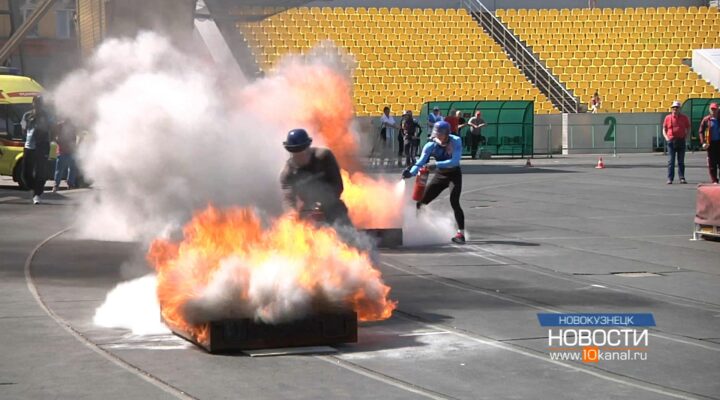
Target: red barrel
x,y
420,183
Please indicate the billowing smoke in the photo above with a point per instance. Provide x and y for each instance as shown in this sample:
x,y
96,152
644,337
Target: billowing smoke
x,y
164,140
432,225
132,305
170,134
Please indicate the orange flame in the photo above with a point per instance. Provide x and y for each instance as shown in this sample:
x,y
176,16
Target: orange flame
x,y
318,97
327,108
314,96
373,204
321,265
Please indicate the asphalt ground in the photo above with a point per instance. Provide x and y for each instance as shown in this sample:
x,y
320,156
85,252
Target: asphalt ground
x,y
561,236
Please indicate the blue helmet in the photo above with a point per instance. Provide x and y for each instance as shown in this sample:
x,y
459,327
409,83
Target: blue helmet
x,y
297,140
441,127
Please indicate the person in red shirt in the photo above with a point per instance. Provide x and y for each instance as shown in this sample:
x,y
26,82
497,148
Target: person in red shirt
x,y
675,131
454,122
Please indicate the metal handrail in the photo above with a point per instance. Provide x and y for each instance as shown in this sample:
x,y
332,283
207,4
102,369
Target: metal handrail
x,y
554,88
17,37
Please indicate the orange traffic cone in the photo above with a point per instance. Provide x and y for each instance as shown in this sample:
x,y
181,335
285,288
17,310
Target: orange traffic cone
x,y
600,164
528,163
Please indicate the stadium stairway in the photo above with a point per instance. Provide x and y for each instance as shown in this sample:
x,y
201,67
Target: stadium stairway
x,y
524,58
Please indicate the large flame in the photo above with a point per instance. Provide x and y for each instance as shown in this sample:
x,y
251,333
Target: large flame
x,y
372,203
228,261
318,97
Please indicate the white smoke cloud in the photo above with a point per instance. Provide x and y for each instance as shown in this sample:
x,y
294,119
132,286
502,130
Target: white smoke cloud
x,y
170,134
165,139
432,225
132,305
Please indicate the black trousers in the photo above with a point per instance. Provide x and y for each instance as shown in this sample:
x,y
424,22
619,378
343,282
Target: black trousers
x,y
713,160
441,181
411,148
474,144
337,213
34,168
401,145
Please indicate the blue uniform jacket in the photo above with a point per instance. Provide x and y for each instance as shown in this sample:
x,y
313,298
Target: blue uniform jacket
x,y
442,158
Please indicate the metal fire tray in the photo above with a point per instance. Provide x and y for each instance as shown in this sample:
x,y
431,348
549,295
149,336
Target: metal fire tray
x,y
392,237
322,329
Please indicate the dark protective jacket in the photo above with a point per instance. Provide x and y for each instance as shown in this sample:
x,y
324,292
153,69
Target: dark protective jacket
x,y
709,130
317,182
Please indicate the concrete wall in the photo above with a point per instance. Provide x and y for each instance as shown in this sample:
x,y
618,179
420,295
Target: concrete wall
x,y
706,62
547,136
172,17
634,133
586,133
493,4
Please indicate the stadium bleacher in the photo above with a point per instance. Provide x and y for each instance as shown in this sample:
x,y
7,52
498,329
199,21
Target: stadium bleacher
x,y
405,57
633,56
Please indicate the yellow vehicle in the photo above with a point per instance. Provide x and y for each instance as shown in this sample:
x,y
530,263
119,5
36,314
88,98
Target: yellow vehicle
x,y
16,94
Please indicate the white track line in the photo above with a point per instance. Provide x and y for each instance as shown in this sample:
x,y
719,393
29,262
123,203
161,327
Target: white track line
x,y
383,378
602,375
607,375
97,349
177,392
517,265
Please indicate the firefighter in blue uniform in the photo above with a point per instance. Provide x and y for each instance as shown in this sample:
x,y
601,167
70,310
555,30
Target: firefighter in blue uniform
x,y
447,151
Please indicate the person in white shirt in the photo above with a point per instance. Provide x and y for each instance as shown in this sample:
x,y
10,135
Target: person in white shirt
x,y
595,103
388,126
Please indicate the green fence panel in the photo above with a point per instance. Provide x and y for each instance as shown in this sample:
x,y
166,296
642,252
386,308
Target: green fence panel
x,y
509,130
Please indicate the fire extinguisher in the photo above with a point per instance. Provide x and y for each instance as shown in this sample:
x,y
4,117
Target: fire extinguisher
x,y
707,135
421,183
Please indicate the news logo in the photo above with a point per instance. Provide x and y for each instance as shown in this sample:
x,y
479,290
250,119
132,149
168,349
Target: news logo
x,y
592,338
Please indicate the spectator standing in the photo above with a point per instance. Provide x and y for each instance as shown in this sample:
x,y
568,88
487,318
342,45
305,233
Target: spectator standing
x,y
595,103
434,117
65,164
401,142
476,124
592,4
462,121
387,131
675,130
710,140
454,122
36,125
411,132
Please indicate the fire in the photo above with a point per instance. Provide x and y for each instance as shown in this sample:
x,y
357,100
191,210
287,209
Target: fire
x,y
374,204
230,262
312,95
327,109
318,97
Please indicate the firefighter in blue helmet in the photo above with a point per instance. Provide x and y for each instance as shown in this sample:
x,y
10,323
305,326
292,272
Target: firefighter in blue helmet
x,y
447,151
311,181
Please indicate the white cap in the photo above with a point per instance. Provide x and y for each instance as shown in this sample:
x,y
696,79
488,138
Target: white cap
x,y
676,104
